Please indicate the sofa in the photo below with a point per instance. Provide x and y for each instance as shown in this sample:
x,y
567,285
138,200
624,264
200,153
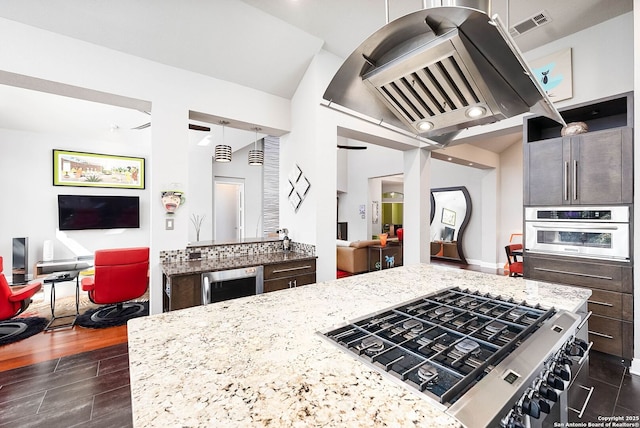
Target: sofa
x,y
353,257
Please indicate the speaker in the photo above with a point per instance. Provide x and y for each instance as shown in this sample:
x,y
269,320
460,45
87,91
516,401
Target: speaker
x,y
47,251
20,261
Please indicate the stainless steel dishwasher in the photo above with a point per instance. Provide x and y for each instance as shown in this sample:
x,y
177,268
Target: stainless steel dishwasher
x,y
231,284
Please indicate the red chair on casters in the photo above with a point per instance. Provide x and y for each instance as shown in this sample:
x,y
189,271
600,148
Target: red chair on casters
x,y
516,267
12,304
121,274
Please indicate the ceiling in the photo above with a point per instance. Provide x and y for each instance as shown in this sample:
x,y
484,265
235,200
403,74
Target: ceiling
x,y
279,36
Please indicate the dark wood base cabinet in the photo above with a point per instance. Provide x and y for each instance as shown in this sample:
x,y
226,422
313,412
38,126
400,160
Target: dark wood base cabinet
x,y
289,275
181,291
611,301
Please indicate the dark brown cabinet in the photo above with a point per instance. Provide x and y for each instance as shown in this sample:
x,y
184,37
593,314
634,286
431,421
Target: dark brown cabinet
x,y
589,169
611,301
181,291
289,275
586,169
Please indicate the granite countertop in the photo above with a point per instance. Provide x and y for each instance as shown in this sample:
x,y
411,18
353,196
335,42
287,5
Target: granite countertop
x,y
225,263
259,361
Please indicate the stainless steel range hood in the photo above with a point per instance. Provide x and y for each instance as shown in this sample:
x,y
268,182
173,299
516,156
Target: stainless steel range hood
x,y
440,70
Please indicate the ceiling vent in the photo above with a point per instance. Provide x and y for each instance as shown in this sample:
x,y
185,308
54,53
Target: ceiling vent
x,y
530,23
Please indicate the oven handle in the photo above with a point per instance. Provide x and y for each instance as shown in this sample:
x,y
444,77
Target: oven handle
x,y
584,406
584,321
577,226
586,353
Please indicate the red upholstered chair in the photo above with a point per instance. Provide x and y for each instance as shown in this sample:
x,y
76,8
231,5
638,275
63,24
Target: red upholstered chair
x,y
13,303
516,267
121,274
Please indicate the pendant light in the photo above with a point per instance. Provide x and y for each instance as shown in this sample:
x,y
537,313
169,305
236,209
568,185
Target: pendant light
x,y
256,157
222,151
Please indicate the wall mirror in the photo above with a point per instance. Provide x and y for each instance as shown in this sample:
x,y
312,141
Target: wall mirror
x,y
450,212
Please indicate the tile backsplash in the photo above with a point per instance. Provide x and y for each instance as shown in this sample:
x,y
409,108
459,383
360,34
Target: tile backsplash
x,y
225,251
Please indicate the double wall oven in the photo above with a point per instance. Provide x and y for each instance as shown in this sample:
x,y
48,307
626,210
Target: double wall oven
x,y
590,232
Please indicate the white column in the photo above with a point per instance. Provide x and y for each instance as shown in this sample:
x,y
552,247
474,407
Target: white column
x,y
169,165
417,206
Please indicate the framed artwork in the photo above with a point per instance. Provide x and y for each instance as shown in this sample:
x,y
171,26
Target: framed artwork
x,y
374,212
448,217
554,72
82,169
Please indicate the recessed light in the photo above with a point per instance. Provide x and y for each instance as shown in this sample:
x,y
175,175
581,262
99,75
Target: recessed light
x,y
425,125
449,159
476,111
470,163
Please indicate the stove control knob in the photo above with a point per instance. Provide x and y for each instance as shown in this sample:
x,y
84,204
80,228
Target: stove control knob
x,y
562,371
575,350
555,382
564,359
581,343
544,404
531,407
548,392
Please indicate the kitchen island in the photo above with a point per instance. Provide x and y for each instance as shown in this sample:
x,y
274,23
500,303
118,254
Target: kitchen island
x,y
259,360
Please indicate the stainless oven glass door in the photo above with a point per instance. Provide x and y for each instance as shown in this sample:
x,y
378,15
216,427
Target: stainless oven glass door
x,y
595,240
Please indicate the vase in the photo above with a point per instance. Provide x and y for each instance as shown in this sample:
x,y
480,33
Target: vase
x,y
383,239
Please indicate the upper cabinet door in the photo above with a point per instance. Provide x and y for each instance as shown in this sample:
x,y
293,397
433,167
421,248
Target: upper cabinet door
x,y
545,173
602,167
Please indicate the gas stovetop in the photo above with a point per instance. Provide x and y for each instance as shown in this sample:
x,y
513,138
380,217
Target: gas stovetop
x,y
441,344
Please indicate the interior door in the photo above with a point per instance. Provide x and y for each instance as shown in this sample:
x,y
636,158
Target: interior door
x,y
228,210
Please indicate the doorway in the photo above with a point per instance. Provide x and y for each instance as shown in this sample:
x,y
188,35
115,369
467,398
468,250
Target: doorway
x,y
228,209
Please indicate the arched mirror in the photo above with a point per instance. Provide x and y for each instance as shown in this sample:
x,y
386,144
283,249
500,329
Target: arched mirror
x,y
450,212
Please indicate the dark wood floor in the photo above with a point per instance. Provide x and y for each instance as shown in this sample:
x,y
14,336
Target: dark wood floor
x,y
89,389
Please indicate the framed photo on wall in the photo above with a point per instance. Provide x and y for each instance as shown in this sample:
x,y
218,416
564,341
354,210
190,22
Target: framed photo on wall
x,y
82,169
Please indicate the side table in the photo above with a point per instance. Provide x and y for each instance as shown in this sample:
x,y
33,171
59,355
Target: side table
x,y
53,280
385,257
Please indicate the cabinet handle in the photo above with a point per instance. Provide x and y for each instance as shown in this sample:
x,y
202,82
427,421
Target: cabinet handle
x,y
575,180
595,333
608,278
295,282
595,302
565,181
291,269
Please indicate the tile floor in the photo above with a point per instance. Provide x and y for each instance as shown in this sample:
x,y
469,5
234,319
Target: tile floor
x,y
83,390
616,391
92,390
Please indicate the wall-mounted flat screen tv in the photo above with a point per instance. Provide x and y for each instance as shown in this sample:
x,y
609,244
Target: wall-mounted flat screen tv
x,y
80,212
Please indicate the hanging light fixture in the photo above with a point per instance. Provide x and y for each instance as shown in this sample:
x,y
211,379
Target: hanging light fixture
x,y
256,157
222,151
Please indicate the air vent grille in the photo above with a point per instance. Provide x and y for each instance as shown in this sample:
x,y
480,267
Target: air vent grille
x,y
530,23
435,89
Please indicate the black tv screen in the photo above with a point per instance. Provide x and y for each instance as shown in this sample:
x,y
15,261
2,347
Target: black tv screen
x,y
80,212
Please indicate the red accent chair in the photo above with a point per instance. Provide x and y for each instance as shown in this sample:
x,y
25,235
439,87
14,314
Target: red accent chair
x,y
121,274
13,303
516,267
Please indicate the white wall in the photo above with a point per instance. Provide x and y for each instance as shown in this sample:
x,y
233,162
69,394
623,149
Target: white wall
x,y
172,92
31,208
